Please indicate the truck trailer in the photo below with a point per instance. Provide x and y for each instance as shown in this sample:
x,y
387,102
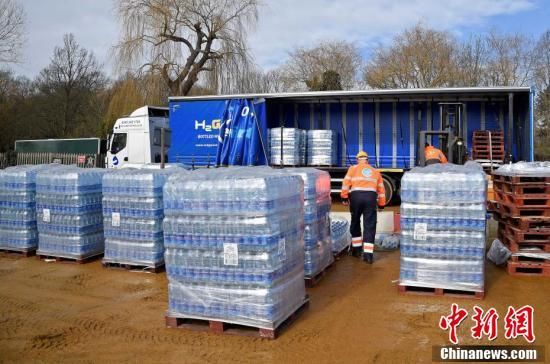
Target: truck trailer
x,y
390,125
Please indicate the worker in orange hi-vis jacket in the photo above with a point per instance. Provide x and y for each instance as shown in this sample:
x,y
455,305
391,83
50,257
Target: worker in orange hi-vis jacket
x,y
362,189
433,155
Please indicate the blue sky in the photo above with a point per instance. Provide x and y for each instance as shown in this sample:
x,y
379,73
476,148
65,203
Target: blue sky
x,y
285,24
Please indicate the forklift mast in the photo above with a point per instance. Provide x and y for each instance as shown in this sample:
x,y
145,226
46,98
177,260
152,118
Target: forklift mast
x,y
451,138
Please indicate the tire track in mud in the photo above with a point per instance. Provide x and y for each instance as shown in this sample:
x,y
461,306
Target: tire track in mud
x,y
10,304
81,327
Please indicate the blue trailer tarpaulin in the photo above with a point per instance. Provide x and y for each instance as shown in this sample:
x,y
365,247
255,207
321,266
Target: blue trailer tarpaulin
x,y
242,137
195,127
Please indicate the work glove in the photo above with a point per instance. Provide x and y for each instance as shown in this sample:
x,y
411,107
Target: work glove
x,y
345,201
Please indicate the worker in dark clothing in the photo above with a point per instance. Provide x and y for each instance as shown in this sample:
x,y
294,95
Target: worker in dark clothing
x,y
432,155
362,189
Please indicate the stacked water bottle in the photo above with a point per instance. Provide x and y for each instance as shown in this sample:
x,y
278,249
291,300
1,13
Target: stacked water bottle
x,y
293,146
321,148
18,230
234,245
132,216
317,239
341,237
443,215
68,211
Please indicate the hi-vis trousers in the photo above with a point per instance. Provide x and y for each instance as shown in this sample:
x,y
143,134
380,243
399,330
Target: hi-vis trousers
x,y
363,203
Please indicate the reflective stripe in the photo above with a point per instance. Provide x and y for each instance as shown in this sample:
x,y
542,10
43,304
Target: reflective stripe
x,y
368,179
368,247
357,239
381,195
363,189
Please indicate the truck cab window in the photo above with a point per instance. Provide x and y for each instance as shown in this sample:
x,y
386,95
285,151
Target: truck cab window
x,y
118,143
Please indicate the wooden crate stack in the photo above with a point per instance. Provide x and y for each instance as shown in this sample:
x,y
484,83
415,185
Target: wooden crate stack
x,y
523,214
485,141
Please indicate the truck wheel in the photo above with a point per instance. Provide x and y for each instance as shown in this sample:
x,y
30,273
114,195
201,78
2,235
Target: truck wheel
x,y
390,187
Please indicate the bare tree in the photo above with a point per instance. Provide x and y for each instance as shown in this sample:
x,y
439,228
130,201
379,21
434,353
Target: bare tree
x,y
541,72
306,66
471,62
180,39
419,57
12,22
511,60
68,87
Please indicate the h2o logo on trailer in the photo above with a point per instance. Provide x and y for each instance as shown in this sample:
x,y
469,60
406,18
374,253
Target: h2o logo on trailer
x,y
115,161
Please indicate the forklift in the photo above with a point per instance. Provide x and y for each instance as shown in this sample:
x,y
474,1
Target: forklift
x,y
450,138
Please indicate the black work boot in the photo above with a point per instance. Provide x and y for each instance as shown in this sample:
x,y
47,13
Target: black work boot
x,y
356,251
368,258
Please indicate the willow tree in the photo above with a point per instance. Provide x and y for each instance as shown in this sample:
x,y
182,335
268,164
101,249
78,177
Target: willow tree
x,y
181,39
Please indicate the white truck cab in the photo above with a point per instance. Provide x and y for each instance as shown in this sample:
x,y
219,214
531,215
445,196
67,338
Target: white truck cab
x,y
136,139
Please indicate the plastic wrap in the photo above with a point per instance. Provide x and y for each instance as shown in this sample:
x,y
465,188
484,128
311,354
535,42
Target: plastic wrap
x,y
498,253
321,148
234,240
18,230
539,169
317,201
443,227
133,210
387,241
293,144
341,237
68,212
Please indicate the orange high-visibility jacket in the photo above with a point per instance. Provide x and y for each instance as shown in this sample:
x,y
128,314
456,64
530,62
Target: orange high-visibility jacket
x,y
431,152
364,177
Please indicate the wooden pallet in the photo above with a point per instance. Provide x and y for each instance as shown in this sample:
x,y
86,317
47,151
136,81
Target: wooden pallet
x,y
525,223
486,155
19,252
492,206
67,259
134,267
430,291
222,327
521,179
523,189
534,269
522,200
511,210
527,236
494,133
313,281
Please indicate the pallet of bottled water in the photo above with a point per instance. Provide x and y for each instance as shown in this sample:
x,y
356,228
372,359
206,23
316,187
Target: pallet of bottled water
x,y
321,148
293,144
443,212
234,240
68,212
133,211
341,237
317,240
18,231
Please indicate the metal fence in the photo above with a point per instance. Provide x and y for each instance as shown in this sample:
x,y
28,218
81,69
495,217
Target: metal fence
x,y
81,160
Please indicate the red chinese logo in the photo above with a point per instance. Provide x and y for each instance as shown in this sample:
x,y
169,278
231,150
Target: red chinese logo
x,y
516,323
485,324
519,323
452,321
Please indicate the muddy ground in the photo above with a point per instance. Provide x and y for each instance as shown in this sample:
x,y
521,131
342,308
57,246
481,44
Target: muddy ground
x,y
56,312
